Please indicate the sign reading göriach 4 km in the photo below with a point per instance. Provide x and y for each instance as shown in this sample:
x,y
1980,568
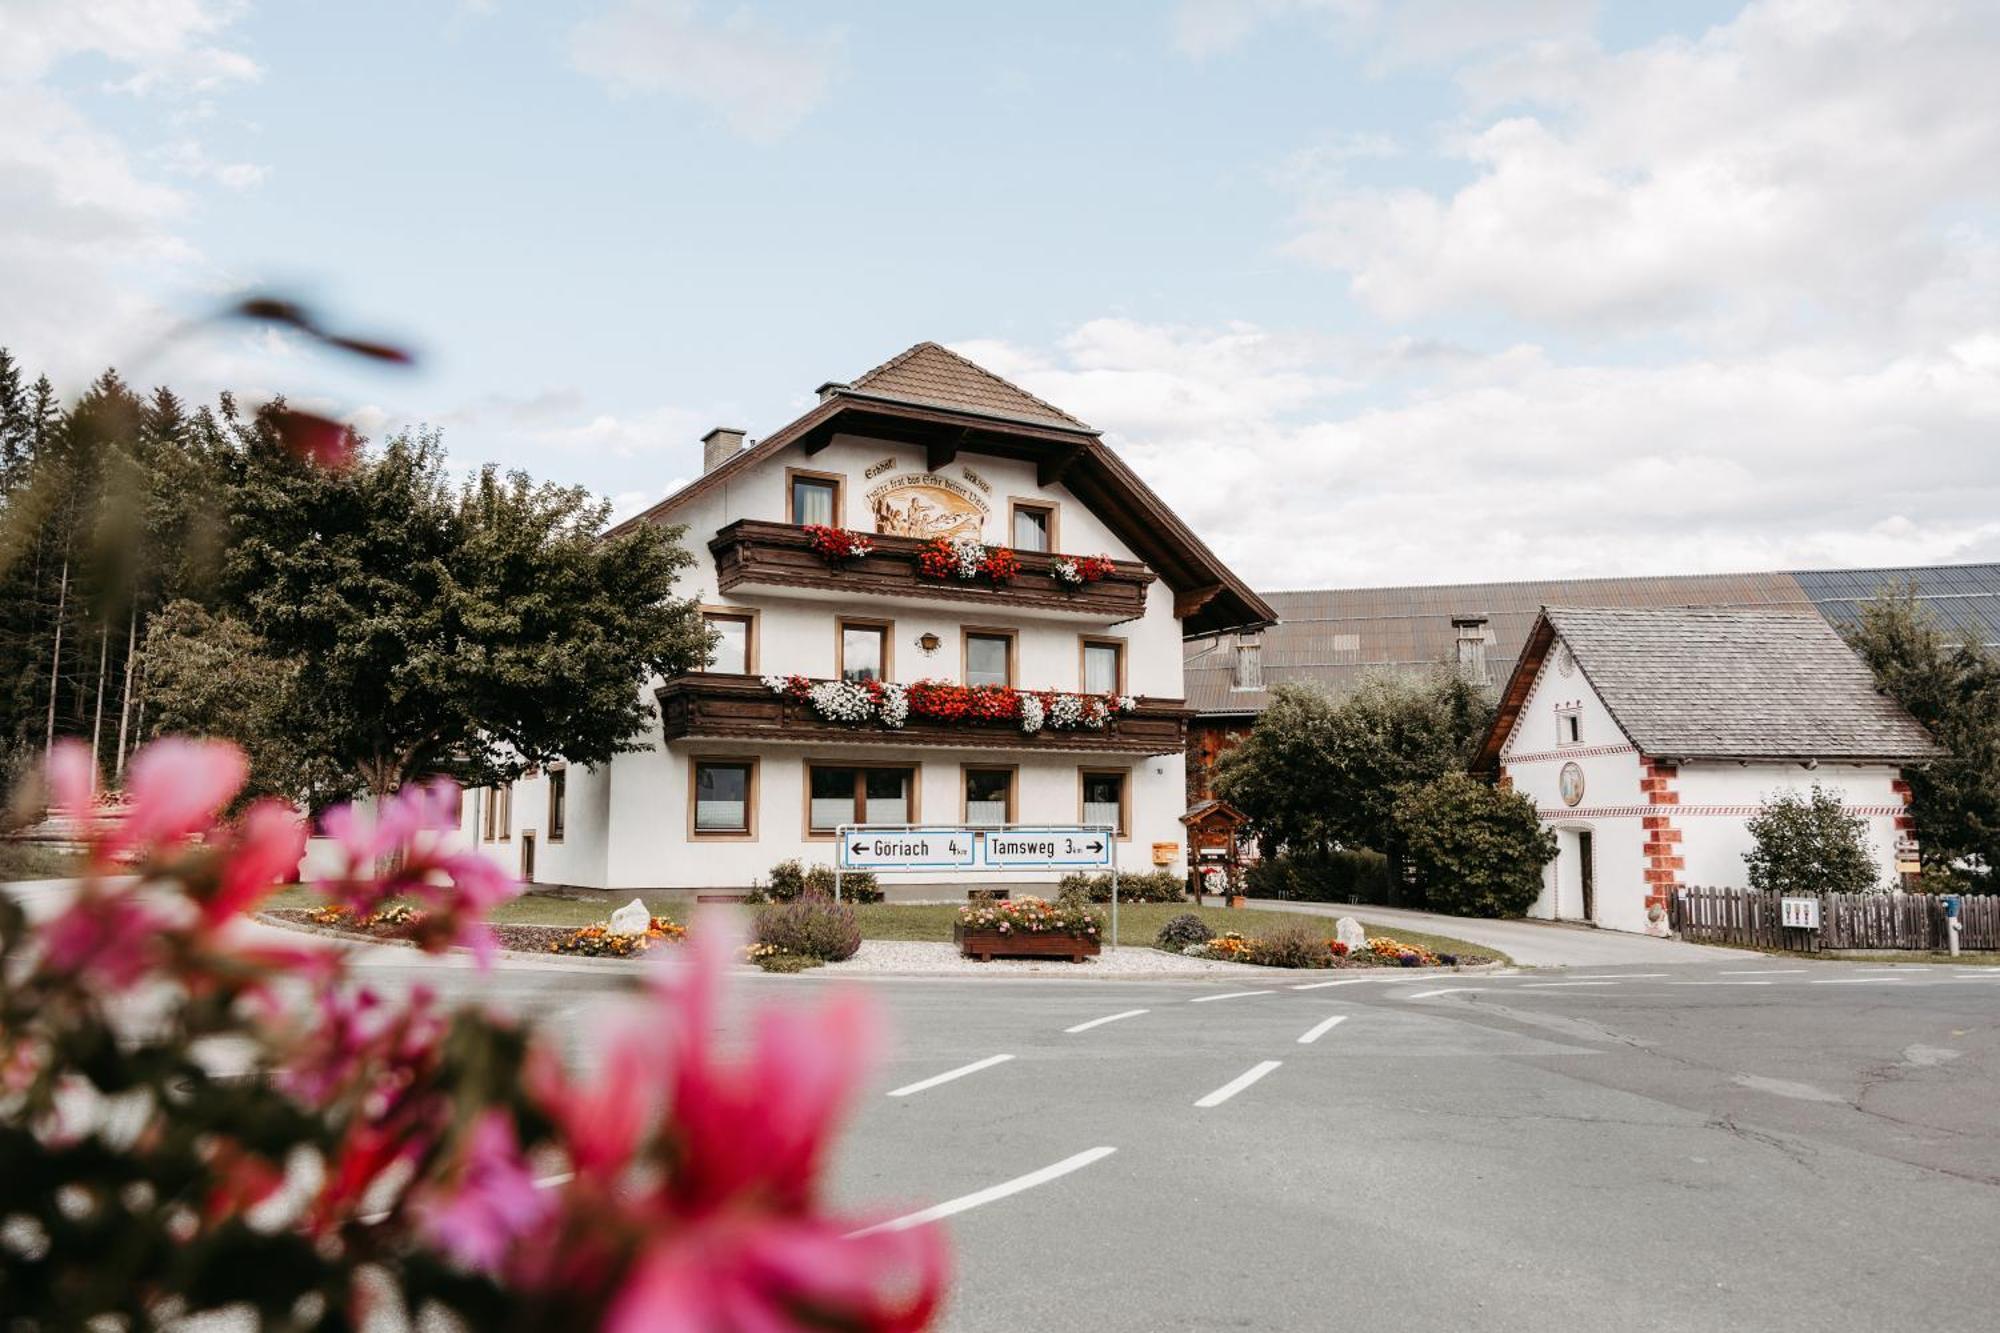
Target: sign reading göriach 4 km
x,y
1064,847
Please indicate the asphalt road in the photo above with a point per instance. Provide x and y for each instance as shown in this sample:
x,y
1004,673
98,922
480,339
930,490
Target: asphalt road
x,y
1750,1144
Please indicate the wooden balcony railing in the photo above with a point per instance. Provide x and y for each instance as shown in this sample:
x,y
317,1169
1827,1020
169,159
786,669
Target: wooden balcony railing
x,y
717,705
750,553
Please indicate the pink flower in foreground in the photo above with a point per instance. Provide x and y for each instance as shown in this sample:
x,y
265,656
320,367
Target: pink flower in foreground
x,y
269,844
495,1201
109,938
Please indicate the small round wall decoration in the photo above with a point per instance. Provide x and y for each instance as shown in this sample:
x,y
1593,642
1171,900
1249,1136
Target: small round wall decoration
x,y
1571,783
1565,661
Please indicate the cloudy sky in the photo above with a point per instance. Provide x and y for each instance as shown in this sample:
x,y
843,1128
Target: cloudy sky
x,y
1372,292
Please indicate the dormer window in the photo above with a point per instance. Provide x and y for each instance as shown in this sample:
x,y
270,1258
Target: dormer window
x,y
1569,725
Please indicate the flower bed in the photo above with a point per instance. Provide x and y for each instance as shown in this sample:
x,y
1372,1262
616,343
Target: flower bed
x,y
1028,928
1293,952
597,941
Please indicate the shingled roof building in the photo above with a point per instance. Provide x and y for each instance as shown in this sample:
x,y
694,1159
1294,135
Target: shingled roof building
x,y
901,639
1648,737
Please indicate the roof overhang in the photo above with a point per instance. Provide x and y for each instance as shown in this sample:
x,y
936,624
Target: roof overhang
x,y
1209,598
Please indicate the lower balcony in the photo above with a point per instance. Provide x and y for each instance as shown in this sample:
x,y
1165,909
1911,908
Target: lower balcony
x,y
721,706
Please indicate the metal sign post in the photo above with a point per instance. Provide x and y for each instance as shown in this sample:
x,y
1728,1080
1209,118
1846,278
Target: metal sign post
x,y
897,849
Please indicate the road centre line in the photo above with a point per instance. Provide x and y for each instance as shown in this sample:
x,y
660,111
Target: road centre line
x,y
1318,1029
1322,985
951,1074
1554,985
1237,1084
1448,990
1108,1018
1719,983
1857,981
987,1195
1232,995
1771,972
1623,976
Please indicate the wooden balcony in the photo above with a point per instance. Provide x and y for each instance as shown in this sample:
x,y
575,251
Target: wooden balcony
x,y
719,706
751,555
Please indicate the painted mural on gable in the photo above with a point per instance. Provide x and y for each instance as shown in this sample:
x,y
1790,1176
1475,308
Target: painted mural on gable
x,y
927,505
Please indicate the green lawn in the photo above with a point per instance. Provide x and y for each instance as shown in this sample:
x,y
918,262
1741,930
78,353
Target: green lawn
x,y
20,860
1138,923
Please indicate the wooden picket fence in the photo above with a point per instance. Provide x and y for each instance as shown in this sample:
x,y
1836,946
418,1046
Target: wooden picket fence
x,y
1847,920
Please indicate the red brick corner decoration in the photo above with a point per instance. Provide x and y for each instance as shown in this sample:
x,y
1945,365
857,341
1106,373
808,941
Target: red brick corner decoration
x,y
1664,861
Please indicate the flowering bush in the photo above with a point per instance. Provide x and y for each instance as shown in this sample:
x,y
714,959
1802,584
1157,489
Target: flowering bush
x,y
362,1156
811,927
597,941
1076,571
1031,916
1392,950
1228,945
964,559
837,546
1338,948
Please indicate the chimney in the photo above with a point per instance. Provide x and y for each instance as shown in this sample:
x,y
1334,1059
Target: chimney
x,y
830,388
1472,648
718,446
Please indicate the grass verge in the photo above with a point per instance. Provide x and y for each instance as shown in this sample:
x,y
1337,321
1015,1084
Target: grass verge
x,y
26,860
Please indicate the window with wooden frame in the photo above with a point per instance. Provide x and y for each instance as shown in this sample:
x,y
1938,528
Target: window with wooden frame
x,y
813,497
735,648
1106,798
558,802
722,798
839,794
1102,670
989,657
489,803
988,796
503,800
1569,725
862,652
1033,526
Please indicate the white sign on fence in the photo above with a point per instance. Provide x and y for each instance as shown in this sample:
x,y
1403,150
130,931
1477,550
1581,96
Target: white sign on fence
x,y
1799,913
907,849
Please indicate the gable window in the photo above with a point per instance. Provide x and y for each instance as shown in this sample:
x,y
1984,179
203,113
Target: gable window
x,y
989,796
1569,725
558,802
1034,527
1103,666
1249,665
864,650
733,649
724,796
815,498
839,794
1104,799
989,657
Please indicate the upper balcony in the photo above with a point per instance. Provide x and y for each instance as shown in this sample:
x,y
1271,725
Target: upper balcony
x,y
724,706
755,556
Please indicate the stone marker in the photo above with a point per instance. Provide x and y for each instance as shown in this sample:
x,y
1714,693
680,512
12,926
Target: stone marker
x,y
631,919
1348,931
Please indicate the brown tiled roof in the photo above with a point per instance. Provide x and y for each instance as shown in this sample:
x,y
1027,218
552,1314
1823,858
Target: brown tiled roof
x,y
1711,683
933,374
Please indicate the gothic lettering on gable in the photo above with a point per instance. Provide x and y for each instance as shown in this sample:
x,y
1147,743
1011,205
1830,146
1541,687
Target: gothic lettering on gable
x,y
926,505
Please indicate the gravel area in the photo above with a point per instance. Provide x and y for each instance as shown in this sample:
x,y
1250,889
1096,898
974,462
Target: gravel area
x,y
924,957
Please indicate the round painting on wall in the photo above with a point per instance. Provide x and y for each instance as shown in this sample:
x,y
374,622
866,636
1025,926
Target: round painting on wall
x,y
1571,783
1565,661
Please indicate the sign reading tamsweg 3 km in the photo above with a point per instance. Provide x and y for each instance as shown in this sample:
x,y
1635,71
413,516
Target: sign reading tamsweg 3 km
x,y
1060,848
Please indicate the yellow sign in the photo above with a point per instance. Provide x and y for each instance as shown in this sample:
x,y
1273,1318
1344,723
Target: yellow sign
x,y
1165,852
927,505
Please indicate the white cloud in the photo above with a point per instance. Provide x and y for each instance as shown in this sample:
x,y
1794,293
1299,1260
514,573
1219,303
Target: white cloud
x,y
1394,32
760,82
1807,166
1514,466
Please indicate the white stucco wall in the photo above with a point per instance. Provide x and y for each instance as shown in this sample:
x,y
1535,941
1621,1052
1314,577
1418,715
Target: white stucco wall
x,y
1719,799
628,821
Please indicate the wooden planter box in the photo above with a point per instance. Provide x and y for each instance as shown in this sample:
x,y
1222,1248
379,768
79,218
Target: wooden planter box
x,y
986,945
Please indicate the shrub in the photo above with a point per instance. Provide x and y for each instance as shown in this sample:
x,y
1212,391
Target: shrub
x,y
1158,886
1810,844
1336,877
1476,850
790,880
1291,946
1183,930
812,927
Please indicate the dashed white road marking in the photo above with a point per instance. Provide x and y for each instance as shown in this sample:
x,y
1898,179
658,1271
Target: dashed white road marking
x,y
1108,1018
1346,981
1769,972
1859,981
1448,990
1557,985
951,1074
1314,1033
989,1194
1718,983
1232,995
1237,1084
1623,976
